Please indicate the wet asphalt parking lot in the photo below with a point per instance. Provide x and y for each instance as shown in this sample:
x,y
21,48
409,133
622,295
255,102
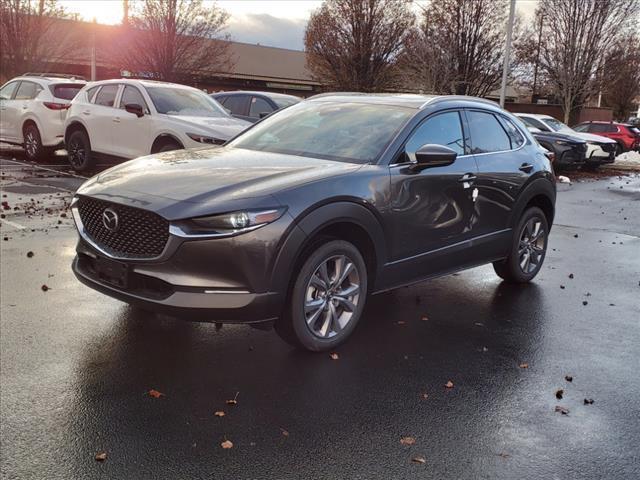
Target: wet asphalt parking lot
x,y
76,367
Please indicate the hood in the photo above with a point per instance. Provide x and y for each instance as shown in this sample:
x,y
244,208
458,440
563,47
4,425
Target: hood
x,y
223,128
207,177
590,137
569,137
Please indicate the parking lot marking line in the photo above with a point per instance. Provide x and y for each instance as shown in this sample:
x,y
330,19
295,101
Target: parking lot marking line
x,y
13,224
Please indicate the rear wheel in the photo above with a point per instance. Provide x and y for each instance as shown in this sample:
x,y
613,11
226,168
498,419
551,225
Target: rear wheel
x,y
169,146
79,151
33,147
528,249
327,297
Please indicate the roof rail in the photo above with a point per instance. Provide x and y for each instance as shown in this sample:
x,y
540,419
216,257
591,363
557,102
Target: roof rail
x,y
55,75
442,98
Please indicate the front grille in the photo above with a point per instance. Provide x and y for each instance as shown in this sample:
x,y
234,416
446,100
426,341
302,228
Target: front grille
x,y
139,234
608,147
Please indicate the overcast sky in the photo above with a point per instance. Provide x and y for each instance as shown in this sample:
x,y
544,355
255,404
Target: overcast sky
x,y
267,22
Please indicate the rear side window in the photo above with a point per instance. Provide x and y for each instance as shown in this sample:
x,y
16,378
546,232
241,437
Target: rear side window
x,y
487,135
237,104
442,129
27,90
65,91
598,128
612,128
516,138
7,91
258,106
106,96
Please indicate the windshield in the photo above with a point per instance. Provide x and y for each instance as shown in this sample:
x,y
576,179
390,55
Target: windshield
x,y
182,101
282,102
349,132
557,125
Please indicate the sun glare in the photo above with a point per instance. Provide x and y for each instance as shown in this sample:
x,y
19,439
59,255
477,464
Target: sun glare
x,y
104,11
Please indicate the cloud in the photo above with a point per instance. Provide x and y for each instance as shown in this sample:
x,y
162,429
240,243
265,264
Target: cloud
x,y
268,30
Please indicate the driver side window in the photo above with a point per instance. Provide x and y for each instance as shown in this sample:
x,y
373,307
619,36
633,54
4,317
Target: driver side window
x,y
441,129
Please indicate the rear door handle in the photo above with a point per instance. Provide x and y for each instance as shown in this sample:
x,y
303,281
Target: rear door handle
x,y
526,167
86,112
467,178
116,120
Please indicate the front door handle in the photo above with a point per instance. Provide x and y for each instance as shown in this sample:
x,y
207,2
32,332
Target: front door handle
x,y
86,112
526,167
116,120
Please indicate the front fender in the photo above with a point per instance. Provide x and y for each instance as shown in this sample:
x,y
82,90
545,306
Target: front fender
x,y
309,225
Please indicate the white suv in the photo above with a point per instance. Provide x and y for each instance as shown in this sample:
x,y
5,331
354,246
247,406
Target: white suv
x,y
130,118
33,109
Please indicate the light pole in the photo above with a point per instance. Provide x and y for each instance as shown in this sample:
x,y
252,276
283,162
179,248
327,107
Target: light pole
x,y
507,52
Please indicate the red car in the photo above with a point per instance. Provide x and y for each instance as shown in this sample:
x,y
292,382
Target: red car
x,y
627,136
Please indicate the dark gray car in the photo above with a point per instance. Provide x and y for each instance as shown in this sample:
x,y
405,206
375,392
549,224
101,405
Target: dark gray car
x,y
299,218
252,106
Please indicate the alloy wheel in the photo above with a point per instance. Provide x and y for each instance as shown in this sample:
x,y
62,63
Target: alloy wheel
x,y
31,144
76,153
332,296
532,243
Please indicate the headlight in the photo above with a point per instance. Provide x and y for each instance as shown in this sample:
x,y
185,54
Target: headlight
x,y
227,224
205,139
561,142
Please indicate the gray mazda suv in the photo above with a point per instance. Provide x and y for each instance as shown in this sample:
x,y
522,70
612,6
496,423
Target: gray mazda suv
x,y
295,221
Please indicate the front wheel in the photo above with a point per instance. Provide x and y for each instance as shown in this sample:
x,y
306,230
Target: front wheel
x,y
327,297
528,248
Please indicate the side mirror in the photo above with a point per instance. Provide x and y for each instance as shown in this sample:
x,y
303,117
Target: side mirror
x,y
134,108
263,114
432,155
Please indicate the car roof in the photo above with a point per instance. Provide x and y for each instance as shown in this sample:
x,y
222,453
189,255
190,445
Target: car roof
x,y
38,78
408,100
143,82
604,122
256,92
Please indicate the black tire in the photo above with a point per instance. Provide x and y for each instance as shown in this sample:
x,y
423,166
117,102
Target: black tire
x,y
33,148
306,293
169,147
511,269
79,152
619,150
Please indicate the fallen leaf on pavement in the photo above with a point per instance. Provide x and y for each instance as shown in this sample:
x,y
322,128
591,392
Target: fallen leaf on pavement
x,y
425,395
334,356
588,401
562,410
44,288
29,254
571,275
449,384
407,440
425,318
219,413
284,432
559,393
419,460
155,393
401,322
524,365
234,400
227,444
568,378
101,457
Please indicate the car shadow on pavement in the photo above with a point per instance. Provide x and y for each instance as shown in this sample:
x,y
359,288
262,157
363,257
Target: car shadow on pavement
x,y
387,381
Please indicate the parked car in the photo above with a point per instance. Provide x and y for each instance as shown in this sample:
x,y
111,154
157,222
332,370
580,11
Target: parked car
x,y
252,106
32,111
625,135
298,219
129,118
599,150
568,151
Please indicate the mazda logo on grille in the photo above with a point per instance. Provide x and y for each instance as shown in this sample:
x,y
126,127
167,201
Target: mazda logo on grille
x,y
110,219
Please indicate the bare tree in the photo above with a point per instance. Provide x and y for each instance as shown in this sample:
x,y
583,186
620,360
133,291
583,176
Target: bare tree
x,y
354,45
30,36
621,76
173,39
576,36
458,47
